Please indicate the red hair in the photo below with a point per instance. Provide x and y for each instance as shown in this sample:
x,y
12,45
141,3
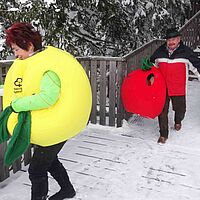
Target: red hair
x,y
22,34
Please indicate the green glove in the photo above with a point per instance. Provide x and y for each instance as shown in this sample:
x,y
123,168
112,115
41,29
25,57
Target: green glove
x,y
4,134
20,139
146,64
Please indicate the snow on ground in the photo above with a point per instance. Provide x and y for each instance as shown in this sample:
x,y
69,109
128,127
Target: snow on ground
x,y
126,163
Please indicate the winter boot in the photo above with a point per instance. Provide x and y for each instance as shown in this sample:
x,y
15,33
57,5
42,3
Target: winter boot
x,y
177,127
162,140
63,194
59,173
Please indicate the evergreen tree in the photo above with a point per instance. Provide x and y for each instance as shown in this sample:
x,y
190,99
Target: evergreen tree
x,y
96,27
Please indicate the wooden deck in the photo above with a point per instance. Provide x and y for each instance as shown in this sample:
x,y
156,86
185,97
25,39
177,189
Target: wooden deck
x,y
111,166
104,165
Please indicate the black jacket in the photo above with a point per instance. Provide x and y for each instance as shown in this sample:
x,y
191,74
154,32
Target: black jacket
x,y
181,52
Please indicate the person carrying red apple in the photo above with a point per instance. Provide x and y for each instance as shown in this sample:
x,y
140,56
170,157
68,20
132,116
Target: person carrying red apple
x,y
172,58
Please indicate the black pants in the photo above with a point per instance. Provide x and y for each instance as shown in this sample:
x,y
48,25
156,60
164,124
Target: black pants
x,y
45,160
178,106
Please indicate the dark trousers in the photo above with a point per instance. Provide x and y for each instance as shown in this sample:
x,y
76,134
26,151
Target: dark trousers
x,y
45,160
178,106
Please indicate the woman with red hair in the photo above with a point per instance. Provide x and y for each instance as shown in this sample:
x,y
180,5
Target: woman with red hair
x,y
24,35
33,83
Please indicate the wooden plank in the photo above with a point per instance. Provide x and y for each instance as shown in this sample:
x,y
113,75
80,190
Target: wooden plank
x,y
112,92
102,92
122,68
82,62
1,77
103,58
86,66
27,155
4,171
17,165
93,80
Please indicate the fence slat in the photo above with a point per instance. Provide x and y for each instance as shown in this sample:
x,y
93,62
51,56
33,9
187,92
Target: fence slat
x,y
102,92
4,171
27,155
86,66
93,80
17,165
112,92
122,68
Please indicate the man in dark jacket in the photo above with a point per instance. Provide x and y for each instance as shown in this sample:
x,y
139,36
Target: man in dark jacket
x,y
173,59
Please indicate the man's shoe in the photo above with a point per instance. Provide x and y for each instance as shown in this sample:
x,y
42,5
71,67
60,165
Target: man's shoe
x,y
177,127
162,140
63,194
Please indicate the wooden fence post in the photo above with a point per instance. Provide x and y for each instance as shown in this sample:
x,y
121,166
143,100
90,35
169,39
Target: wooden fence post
x,y
4,171
102,93
93,80
112,92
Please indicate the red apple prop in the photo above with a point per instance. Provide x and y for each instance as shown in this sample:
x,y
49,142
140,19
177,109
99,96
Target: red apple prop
x,y
144,92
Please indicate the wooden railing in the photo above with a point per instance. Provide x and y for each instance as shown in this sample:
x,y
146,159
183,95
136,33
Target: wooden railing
x,y
191,31
195,7
134,58
106,75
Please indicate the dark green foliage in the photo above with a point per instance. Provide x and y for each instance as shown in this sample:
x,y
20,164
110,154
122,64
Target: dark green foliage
x,y
97,27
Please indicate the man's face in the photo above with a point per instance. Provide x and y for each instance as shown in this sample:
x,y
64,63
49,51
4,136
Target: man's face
x,y
172,43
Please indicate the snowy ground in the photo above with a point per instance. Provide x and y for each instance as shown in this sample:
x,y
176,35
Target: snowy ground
x,y
126,163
